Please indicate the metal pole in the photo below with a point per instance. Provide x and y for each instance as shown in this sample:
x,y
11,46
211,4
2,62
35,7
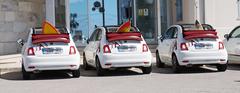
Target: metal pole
x,y
103,13
88,18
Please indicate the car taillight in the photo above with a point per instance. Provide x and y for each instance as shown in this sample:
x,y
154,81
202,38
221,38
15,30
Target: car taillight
x,y
72,50
144,48
183,47
30,51
220,45
106,49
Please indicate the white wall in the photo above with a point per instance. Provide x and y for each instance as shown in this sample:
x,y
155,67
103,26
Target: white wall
x,y
222,15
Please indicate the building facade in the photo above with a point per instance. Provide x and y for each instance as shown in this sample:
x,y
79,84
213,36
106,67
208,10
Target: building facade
x,y
223,15
18,16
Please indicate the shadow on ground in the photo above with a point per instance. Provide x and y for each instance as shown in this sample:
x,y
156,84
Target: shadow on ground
x,y
50,75
185,70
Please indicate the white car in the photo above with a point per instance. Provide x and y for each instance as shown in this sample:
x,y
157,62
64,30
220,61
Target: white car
x,y
43,52
185,46
108,49
232,43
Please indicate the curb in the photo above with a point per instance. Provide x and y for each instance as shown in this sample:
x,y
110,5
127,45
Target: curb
x,y
5,70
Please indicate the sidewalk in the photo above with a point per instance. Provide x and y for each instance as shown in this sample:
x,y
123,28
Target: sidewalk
x,y
10,63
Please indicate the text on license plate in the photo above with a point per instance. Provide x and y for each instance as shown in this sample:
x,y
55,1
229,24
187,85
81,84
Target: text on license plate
x,y
52,50
126,48
203,46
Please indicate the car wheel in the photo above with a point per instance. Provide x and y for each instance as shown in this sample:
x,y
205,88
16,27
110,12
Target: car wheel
x,y
76,73
25,75
100,70
85,64
147,70
175,65
159,63
222,67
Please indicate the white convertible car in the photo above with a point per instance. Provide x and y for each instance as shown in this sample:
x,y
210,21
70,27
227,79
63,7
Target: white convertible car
x,y
232,43
43,52
108,49
184,45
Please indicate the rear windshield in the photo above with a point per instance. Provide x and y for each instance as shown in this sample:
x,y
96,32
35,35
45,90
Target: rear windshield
x,y
114,29
38,30
191,27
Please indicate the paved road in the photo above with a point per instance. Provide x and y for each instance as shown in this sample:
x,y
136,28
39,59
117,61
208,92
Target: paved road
x,y
193,80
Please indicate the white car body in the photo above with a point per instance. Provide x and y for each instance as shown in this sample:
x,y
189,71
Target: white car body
x,y
193,55
58,59
116,59
232,43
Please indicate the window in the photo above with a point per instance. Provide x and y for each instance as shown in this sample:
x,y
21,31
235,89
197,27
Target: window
x,y
93,36
238,4
99,35
179,9
236,33
171,33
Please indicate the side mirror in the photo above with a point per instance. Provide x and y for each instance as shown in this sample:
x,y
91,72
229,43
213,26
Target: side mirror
x,y
20,42
227,36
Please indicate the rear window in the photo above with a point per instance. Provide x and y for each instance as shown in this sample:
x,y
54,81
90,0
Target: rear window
x,y
38,30
191,27
201,33
38,37
114,29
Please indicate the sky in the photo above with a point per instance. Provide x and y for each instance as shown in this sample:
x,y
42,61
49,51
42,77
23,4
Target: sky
x,y
95,18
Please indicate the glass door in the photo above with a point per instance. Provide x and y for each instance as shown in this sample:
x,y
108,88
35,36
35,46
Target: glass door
x,y
146,19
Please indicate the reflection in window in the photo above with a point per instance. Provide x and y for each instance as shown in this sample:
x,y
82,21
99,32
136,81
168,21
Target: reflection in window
x,y
60,14
179,10
236,33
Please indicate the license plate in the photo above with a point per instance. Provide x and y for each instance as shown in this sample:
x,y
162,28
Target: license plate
x,y
203,46
126,48
52,50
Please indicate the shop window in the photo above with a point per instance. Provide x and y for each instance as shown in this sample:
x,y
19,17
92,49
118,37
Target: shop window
x,y
179,9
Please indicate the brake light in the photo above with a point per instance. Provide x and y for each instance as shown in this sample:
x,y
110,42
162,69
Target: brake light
x,y
106,49
144,48
30,51
72,50
183,47
221,45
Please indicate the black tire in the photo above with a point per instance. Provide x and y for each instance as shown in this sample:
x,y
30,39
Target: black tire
x,y
175,65
25,75
147,70
222,67
76,73
85,64
159,63
100,70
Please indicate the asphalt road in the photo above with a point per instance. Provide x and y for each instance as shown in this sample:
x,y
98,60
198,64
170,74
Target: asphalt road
x,y
161,80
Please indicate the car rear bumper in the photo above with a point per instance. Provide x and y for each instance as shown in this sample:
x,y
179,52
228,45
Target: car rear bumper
x,y
33,63
126,60
195,58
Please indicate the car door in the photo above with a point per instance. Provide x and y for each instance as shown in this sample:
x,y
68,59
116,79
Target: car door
x,y
233,45
90,48
96,46
166,44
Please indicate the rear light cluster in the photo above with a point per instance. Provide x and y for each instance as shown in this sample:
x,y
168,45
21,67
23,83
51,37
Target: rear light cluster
x,y
144,48
220,45
30,51
106,49
183,47
72,50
